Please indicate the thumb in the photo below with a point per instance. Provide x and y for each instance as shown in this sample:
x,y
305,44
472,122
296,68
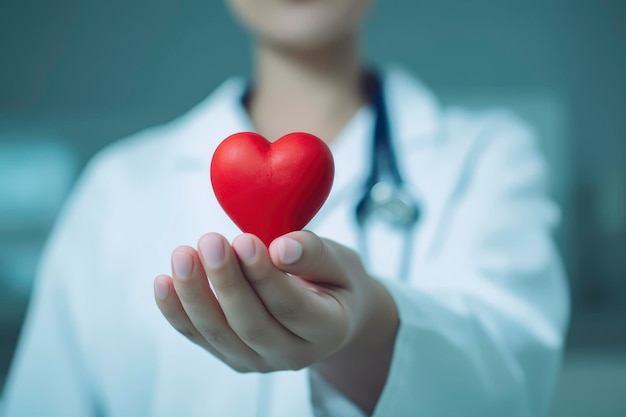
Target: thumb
x,y
308,256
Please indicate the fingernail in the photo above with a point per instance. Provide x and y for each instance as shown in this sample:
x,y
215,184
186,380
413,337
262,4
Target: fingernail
x,y
245,248
183,264
289,250
212,249
161,287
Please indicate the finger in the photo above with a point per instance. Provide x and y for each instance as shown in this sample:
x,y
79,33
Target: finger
x,y
202,308
321,261
313,315
168,302
243,309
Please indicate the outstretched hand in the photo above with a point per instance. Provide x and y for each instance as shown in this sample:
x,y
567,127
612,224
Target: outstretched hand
x,y
304,302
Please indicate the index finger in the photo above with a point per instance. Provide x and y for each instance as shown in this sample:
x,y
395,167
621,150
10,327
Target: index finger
x,y
315,316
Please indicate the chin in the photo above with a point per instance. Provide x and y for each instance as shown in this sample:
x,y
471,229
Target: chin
x,y
300,23
305,37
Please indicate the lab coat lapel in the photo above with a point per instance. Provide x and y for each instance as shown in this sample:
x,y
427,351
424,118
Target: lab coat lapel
x,y
420,131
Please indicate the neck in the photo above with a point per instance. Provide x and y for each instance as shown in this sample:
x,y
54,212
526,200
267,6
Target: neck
x,y
316,91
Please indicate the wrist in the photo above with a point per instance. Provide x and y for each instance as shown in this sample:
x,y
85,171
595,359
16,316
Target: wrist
x,y
359,369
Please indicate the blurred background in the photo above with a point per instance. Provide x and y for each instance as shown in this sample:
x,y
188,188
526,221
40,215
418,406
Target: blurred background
x,y
76,75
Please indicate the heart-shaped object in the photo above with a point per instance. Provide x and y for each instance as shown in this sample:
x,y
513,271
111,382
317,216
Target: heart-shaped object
x,y
269,189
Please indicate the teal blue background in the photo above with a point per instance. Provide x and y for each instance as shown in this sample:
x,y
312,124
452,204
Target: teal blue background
x,y
76,75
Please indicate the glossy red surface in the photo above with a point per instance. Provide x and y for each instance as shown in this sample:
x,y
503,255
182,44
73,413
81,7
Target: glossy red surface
x,y
269,189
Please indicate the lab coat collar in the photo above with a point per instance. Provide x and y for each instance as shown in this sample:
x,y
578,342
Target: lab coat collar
x,y
414,111
199,131
414,115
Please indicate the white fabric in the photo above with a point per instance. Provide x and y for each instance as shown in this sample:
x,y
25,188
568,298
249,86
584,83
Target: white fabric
x,y
483,310
328,401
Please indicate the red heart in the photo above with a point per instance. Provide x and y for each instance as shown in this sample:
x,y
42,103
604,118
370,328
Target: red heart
x,y
269,189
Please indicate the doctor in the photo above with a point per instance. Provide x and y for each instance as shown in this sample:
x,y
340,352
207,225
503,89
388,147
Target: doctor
x,y
473,325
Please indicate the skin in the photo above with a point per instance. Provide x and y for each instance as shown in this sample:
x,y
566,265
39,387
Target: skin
x,y
306,46
305,301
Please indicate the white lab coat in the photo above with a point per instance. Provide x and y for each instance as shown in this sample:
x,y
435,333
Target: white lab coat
x,y
482,313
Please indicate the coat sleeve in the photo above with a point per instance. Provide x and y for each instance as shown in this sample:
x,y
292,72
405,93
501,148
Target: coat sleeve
x,y
49,375
482,326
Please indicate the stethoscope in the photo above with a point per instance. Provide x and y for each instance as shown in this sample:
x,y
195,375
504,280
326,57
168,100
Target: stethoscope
x,y
386,196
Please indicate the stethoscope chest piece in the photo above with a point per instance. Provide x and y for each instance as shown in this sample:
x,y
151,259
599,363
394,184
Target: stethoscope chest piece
x,y
394,205
391,204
